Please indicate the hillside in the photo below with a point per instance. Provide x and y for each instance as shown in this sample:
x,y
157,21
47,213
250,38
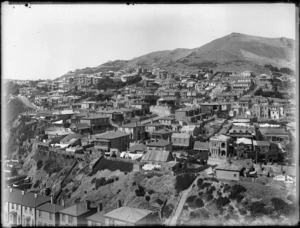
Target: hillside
x,y
233,52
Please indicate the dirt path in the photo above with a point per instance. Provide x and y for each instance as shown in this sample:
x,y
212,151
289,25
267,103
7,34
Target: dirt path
x,y
173,220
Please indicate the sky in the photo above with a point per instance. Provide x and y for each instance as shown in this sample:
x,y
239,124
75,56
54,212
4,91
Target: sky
x,y
48,40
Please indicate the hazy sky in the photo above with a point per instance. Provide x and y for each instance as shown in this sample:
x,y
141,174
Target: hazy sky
x,y
46,41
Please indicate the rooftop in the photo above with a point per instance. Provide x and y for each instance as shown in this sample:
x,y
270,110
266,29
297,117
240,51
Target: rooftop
x,y
181,135
201,145
75,210
157,156
112,135
128,214
50,207
159,143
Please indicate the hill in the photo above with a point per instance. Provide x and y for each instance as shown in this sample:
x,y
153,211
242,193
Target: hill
x,y
233,52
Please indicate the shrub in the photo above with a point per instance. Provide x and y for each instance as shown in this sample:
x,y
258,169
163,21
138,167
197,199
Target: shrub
x,y
205,185
222,201
151,192
200,193
167,210
100,182
211,189
257,208
140,191
239,198
93,180
116,178
147,198
36,184
184,181
134,183
199,182
159,201
291,198
279,204
198,203
213,179
74,188
226,188
109,181
235,192
207,197
39,164
242,211
191,199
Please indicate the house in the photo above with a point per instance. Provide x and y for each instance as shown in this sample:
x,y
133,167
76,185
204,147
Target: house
x,y
191,114
201,146
30,202
48,214
159,145
72,139
12,206
153,126
116,140
191,129
167,120
54,132
136,131
144,106
76,215
261,146
96,219
138,149
158,159
244,147
182,140
162,134
128,216
97,123
81,128
229,170
219,145
242,131
275,134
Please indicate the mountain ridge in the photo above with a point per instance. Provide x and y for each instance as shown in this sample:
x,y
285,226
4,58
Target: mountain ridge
x,y
235,51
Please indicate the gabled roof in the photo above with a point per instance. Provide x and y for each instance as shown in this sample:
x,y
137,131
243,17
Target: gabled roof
x,y
75,210
201,145
13,197
159,143
112,135
230,166
244,140
80,125
181,135
139,147
132,125
71,136
50,207
273,130
29,200
261,143
97,217
156,156
220,137
94,117
128,214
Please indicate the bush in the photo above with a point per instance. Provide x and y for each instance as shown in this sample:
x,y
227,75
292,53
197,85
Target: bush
x,y
198,203
100,182
200,193
36,184
140,191
291,198
211,189
257,208
151,192
222,201
109,181
167,210
39,164
93,180
147,198
205,185
242,211
199,182
207,197
226,188
279,204
74,188
235,192
184,181
134,183
191,199
159,201
116,178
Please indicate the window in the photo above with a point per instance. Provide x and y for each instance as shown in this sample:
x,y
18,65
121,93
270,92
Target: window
x,y
50,216
40,214
70,219
63,217
234,175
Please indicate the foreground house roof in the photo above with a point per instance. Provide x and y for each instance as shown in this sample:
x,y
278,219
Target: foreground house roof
x,y
128,214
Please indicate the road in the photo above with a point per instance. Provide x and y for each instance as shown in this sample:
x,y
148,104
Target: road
x,y
173,220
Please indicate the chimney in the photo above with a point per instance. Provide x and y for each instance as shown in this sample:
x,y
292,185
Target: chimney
x,y
23,193
100,207
88,205
62,202
51,198
35,195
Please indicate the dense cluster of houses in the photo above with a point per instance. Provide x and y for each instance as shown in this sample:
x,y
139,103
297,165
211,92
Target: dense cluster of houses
x,y
31,209
138,123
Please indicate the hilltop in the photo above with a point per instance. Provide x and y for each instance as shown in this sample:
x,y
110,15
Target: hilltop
x,y
233,52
